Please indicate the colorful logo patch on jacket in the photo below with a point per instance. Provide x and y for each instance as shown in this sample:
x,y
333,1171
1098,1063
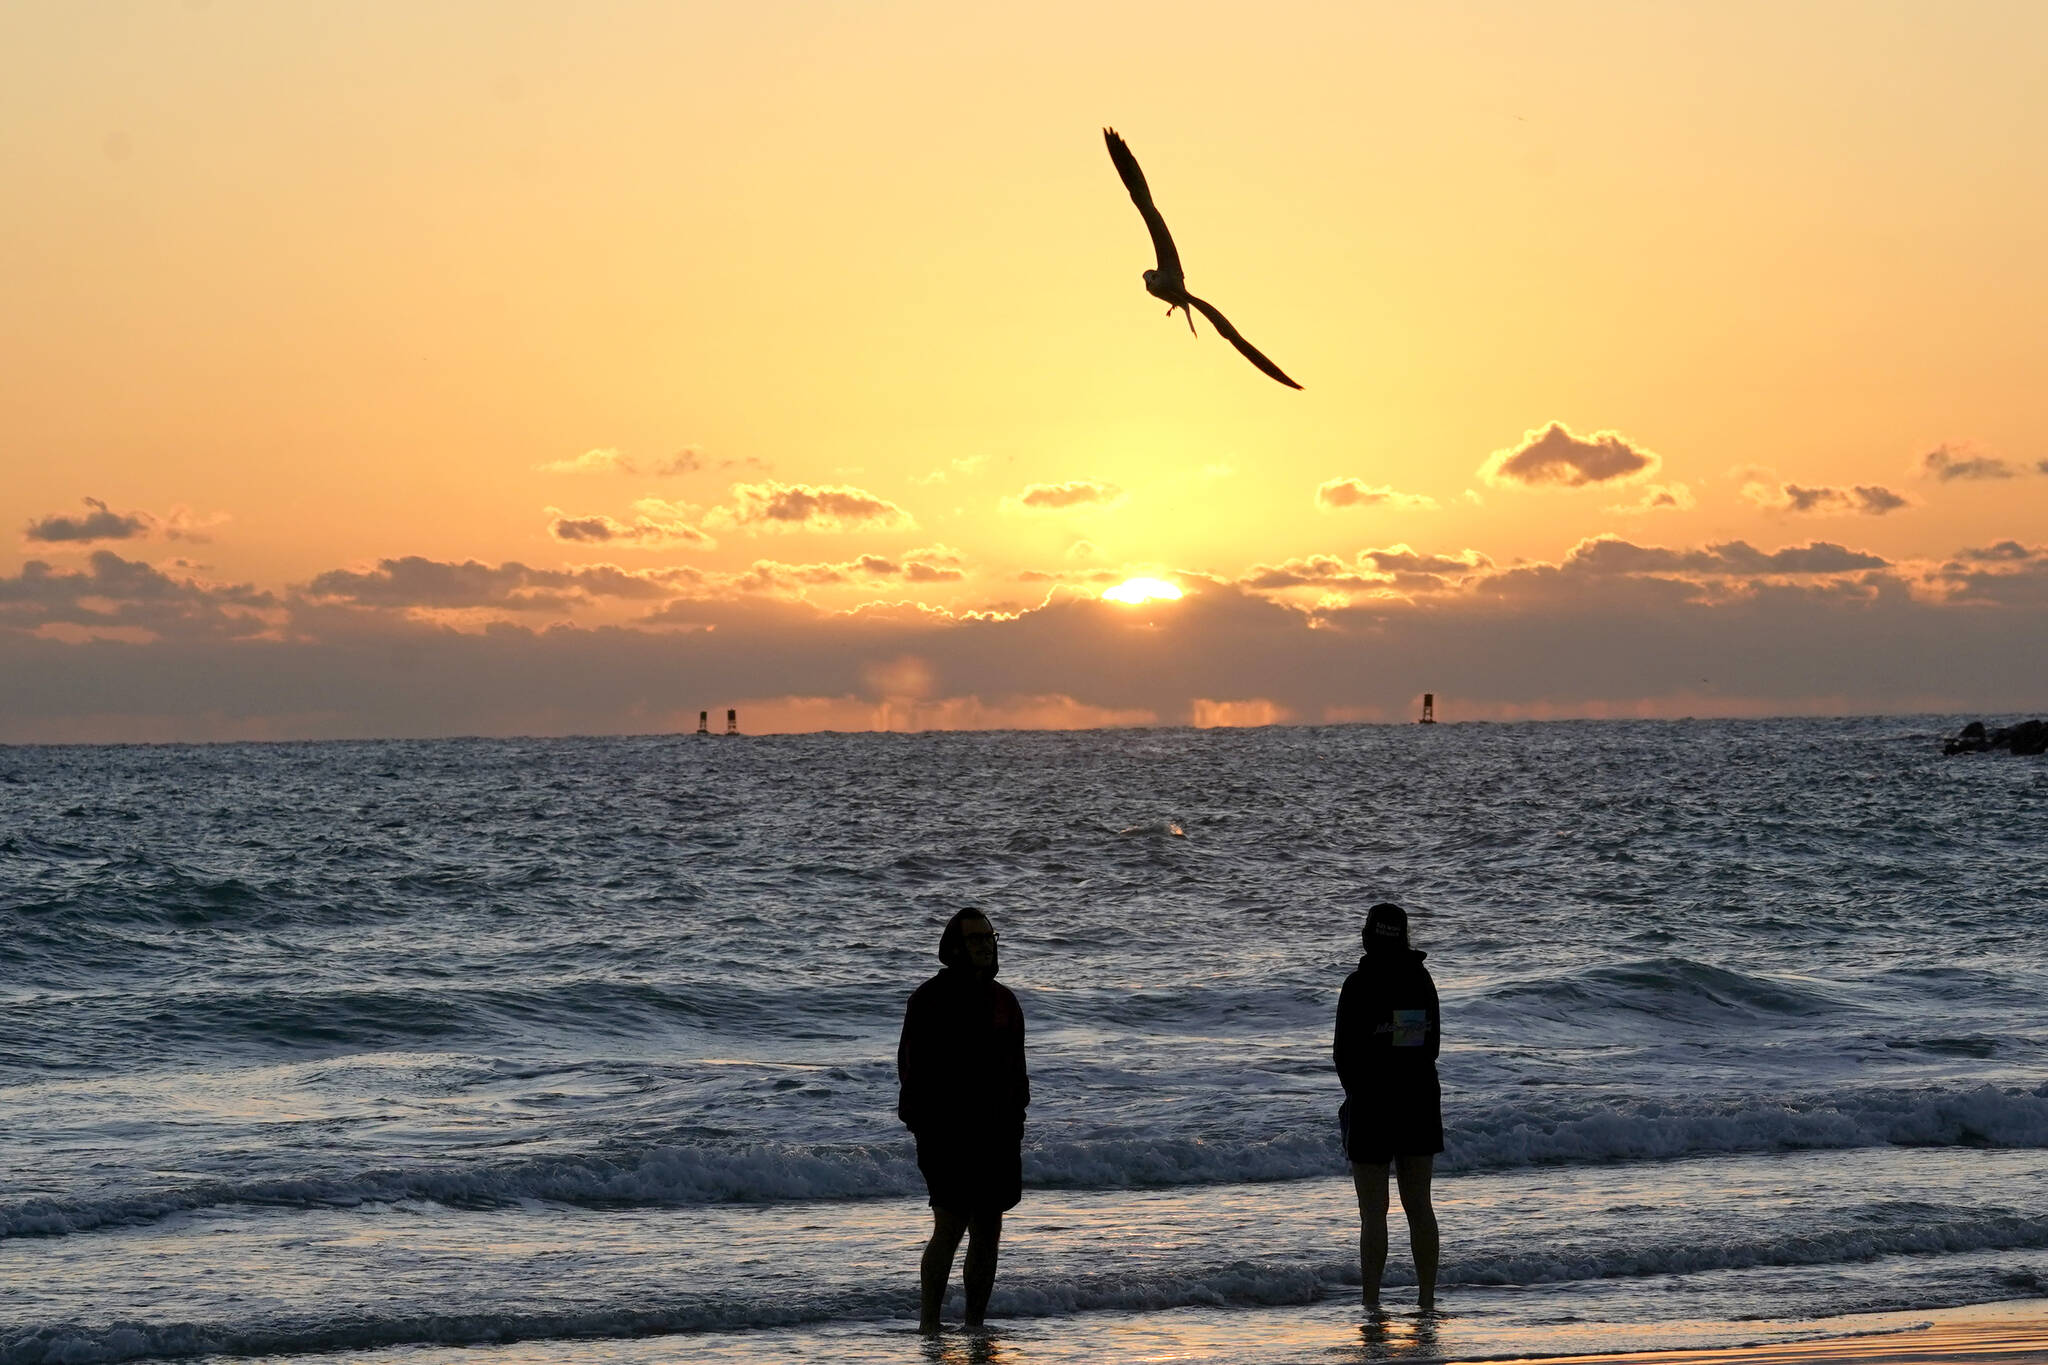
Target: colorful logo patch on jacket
x,y
1411,1028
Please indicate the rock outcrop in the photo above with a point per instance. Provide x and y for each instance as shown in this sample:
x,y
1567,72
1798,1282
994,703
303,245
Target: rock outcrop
x,y
2028,737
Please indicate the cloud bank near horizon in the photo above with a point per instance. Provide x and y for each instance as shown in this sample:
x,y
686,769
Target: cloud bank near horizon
x,y
123,650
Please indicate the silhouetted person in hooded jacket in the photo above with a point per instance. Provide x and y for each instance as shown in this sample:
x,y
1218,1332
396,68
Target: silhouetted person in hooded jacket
x,y
964,1091
1388,1033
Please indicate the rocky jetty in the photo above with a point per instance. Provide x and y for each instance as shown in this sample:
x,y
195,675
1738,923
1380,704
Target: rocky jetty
x,y
2028,737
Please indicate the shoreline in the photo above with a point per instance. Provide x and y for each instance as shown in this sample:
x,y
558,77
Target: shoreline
x,y
2014,1330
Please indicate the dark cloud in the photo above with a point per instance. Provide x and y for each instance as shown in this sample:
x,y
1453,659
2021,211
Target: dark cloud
x,y
596,529
815,507
1735,558
1334,493
1947,464
645,531
414,581
1876,501
1401,559
1867,499
112,592
1074,493
1397,566
2004,552
100,523
933,565
2007,574
1554,455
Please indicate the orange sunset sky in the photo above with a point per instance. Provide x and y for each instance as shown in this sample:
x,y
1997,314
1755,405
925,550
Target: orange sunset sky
x,y
497,368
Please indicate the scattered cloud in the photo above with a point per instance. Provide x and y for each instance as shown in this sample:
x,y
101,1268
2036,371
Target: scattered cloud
x,y
1865,499
938,565
417,582
608,460
1735,558
1084,549
808,507
1358,493
660,524
1048,497
101,522
1399,559
1103,576
1658,497
1949,463
1310,571
2004,552
1553,455
2007,574
112,593
960,468
1397,566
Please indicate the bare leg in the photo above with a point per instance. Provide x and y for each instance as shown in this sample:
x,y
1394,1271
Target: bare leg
x,y
1412,1174
1370,1178
984,1239
937,1267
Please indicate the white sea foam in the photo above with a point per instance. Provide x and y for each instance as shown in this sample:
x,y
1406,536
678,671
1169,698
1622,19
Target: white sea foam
x,y
775,1173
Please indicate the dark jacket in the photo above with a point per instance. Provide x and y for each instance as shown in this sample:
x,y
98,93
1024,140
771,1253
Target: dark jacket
x,y
1389,1029
960,1063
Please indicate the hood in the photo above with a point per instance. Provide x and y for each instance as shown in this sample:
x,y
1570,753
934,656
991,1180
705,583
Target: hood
x,y
953,945
1391,959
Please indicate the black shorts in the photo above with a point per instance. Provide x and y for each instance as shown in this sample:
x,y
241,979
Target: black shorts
x,y
972,1174
1405,1121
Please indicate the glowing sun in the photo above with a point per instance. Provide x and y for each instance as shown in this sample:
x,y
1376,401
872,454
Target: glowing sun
x,y
1135,590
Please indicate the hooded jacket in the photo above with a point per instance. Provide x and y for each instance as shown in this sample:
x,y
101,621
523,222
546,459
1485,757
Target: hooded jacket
x,y
960,1062
1389,1029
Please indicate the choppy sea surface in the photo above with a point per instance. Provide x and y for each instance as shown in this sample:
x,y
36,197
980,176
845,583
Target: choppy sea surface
x,y
583,1049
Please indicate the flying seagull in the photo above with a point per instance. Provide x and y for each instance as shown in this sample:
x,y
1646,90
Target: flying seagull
x,y
1167,282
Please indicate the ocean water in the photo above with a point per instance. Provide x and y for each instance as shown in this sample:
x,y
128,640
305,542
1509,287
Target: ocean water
x,y
583,1049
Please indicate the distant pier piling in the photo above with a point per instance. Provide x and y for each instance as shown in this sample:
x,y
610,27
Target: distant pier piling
x,y
1428,709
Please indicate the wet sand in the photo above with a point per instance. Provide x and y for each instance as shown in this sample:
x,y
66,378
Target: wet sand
x,y
1989,1334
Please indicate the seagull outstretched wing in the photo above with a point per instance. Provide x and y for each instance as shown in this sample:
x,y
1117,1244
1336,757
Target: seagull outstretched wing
x,y
1230,334
1168,283
1141,195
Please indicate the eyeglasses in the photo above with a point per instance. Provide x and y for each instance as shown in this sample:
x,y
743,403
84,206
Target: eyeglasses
x,y
990,937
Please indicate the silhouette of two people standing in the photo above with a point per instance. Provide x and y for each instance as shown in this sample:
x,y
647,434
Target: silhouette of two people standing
x,y
964,1090
963,1094
1389,1030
